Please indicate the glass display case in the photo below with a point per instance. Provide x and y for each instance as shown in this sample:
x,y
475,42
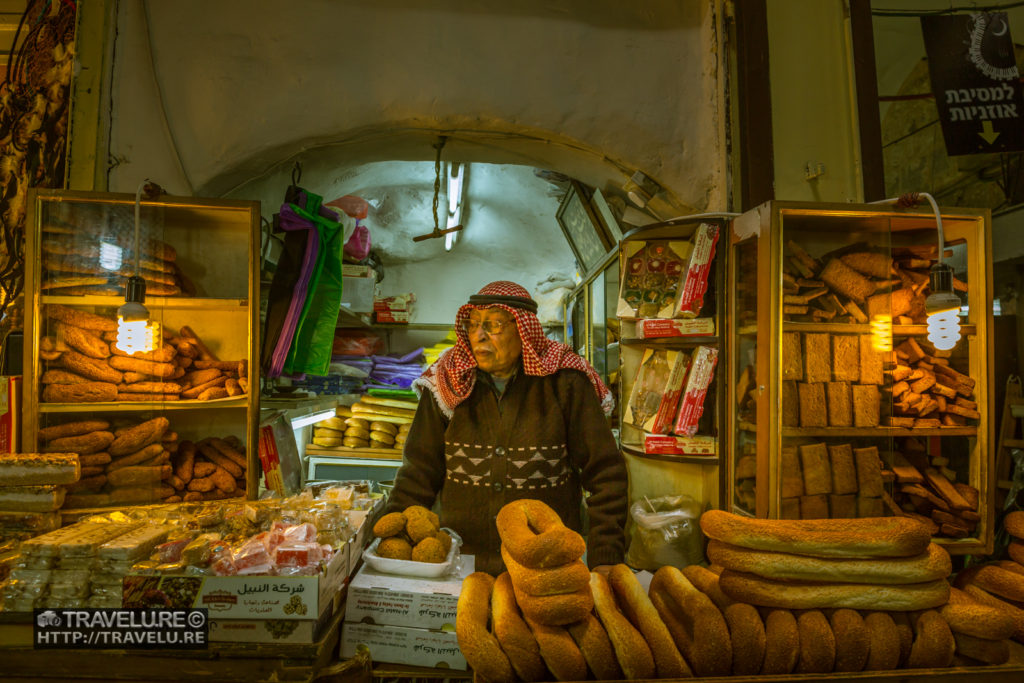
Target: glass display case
x,y
840,405
133,415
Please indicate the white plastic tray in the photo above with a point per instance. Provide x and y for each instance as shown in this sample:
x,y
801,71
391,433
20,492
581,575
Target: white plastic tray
x,y
430,570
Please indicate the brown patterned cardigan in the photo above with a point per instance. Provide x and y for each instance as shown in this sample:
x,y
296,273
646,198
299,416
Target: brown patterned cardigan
x,y
544,438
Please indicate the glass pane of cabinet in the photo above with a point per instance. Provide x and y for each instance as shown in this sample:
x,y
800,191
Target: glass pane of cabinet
x,y
841,404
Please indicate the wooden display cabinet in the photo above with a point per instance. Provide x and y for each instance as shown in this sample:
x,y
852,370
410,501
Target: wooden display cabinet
x,y
200,259
816,395
666,464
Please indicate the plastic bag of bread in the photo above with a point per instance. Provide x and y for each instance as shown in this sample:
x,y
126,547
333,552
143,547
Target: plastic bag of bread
x,y
664,531
410,567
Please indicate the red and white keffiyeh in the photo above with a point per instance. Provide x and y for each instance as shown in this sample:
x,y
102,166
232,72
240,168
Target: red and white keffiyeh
x,y
451,378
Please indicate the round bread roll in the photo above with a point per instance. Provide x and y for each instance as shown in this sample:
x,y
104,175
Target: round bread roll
x,y
631,650
479,647
782,642
326,441
966,615
343,411
746,630
326,431
933,646
1011,566
1000,582
1016,551
596,647
382,437
817,643
569,578
884,642
332,423
513,634
696,625
749,640
905,632
354,442
388,427
358,432
380,444
390,524
982,649
560,652
404,427
853,642
1015,613
1014,524
535,536
637,607
357,422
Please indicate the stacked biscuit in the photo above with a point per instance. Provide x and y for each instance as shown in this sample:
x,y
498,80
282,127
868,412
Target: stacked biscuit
x,y
413,534
32,489
927,489
999,586
810,579
73,267
84,364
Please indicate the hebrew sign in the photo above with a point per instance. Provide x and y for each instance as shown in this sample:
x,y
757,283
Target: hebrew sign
x,y
975,80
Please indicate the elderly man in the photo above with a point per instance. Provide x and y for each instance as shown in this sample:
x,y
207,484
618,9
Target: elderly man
x,y
511,414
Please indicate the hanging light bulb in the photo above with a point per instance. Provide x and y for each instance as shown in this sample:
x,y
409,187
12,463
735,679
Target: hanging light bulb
x,y
135,333
943,309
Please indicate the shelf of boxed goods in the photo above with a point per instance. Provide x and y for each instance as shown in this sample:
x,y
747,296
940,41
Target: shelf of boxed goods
x,y
704,448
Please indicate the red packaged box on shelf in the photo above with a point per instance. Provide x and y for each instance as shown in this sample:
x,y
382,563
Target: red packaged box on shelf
x,y
656,391
690,295
10,413
391,316
670,444
691,403
653,328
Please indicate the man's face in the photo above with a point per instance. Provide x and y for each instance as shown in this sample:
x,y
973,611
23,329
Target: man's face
x,y
495,352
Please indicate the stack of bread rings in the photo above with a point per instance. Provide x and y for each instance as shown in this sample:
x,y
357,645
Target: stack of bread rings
x,y
872,614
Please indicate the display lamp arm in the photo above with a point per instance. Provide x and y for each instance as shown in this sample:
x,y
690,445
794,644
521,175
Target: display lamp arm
x,y
135,332
942,305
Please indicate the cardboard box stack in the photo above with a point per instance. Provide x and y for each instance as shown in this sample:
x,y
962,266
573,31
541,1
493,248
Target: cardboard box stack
x,y
405,620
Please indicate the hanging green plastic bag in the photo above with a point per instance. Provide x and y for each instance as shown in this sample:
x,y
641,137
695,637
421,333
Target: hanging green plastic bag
x,y
310,352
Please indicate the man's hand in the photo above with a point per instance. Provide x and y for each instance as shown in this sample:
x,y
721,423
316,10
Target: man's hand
x,y
602,569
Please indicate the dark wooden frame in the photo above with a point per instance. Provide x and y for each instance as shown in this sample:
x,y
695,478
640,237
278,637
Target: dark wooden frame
x,y
577,219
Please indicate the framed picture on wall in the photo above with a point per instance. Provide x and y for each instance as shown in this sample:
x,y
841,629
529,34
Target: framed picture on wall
x,y
586,234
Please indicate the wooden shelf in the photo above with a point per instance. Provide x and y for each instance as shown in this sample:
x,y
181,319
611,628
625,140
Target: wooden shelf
x,y
855,328
667,457
152,302
670,341
361,453
241,401
868,431
347,318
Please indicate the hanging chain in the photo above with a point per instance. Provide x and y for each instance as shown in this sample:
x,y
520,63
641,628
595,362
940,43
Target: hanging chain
x,y
437,178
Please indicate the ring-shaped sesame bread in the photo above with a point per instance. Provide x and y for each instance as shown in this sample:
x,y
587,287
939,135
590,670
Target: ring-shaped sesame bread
x,y
535,535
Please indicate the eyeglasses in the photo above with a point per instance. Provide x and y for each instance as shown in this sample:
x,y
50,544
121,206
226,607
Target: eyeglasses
x,y
491,327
